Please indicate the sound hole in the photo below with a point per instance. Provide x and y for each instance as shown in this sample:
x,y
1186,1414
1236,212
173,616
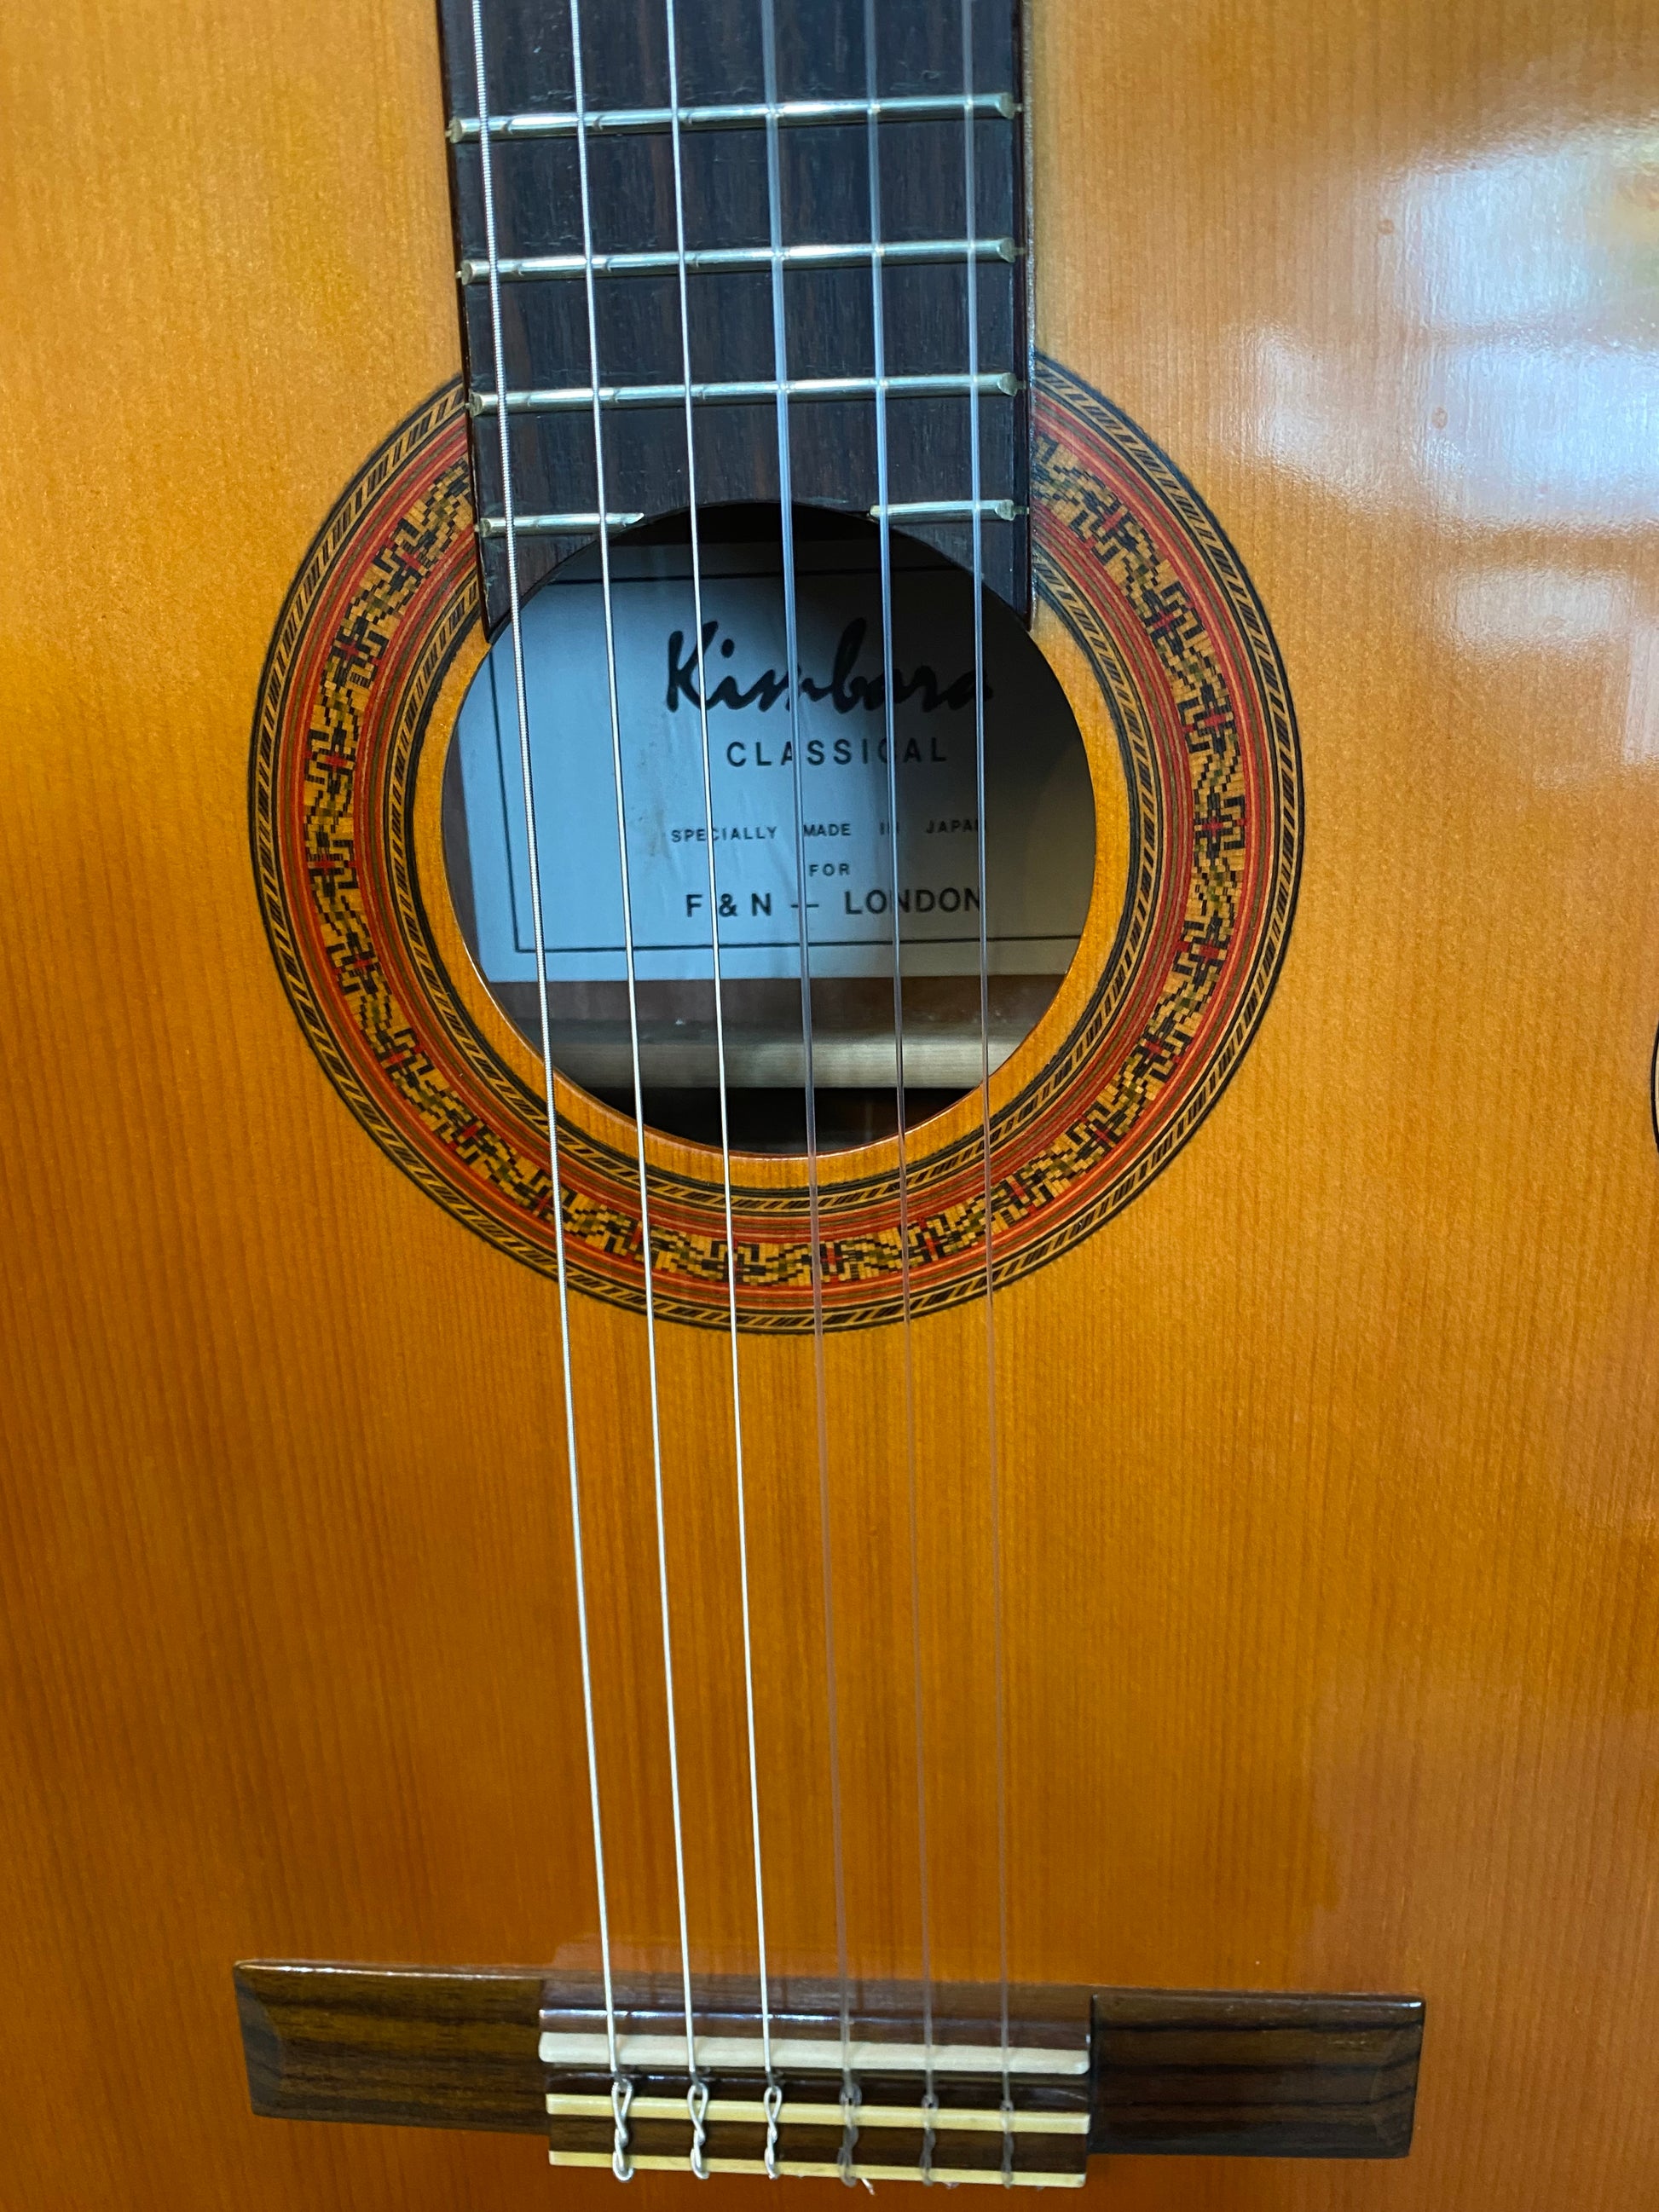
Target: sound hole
x,y
1039,831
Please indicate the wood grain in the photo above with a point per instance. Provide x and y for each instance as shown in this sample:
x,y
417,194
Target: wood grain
x,y
1330,1470
409,2049
1215,2072
1191,2073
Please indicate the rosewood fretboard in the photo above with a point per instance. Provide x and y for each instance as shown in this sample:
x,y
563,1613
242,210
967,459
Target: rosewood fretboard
x,y
824,203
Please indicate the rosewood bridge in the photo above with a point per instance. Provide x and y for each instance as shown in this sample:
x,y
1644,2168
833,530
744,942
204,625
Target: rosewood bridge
x,y
884,2093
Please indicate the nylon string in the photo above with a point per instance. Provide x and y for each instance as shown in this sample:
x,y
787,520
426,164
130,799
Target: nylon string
x,y
681,267
994,1478
522,711
602,503
791,649
878,352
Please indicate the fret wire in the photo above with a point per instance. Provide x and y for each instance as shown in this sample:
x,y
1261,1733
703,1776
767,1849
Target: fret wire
x,y
614,700
901,512
754,114
914,510
577,399
553,525
521,695
713,259
948,510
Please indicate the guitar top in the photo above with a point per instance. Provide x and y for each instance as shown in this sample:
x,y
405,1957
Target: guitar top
x,y
831,1310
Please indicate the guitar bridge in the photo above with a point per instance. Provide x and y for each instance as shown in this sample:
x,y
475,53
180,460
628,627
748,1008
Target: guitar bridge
x,y
902,2090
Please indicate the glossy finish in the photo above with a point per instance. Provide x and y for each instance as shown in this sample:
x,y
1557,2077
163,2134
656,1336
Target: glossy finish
x,y
1330,1467
1174,2072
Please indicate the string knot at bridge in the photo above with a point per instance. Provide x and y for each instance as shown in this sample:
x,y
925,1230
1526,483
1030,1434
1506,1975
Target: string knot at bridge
x,y
621,2100
910,2086
772,2105
850,2101
697,2102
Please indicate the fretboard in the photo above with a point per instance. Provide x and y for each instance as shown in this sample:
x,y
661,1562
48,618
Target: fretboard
x,y
821,119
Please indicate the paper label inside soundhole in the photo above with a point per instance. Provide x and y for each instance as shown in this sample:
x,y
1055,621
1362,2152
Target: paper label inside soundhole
x,y
1039,811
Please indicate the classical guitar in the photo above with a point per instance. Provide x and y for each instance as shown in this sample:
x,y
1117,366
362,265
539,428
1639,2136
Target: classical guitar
x,y
832,1352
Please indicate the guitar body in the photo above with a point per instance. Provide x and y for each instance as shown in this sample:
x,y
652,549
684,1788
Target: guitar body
x,y
1327,1452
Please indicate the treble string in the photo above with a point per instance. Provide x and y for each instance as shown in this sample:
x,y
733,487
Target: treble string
x,y
590,287
791,662
681,267
884,527
560,1273
994,1480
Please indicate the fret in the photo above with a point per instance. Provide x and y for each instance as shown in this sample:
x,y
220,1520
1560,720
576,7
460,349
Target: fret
x,y
574,398
555,525
745,115
948,510
824,108
908,253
